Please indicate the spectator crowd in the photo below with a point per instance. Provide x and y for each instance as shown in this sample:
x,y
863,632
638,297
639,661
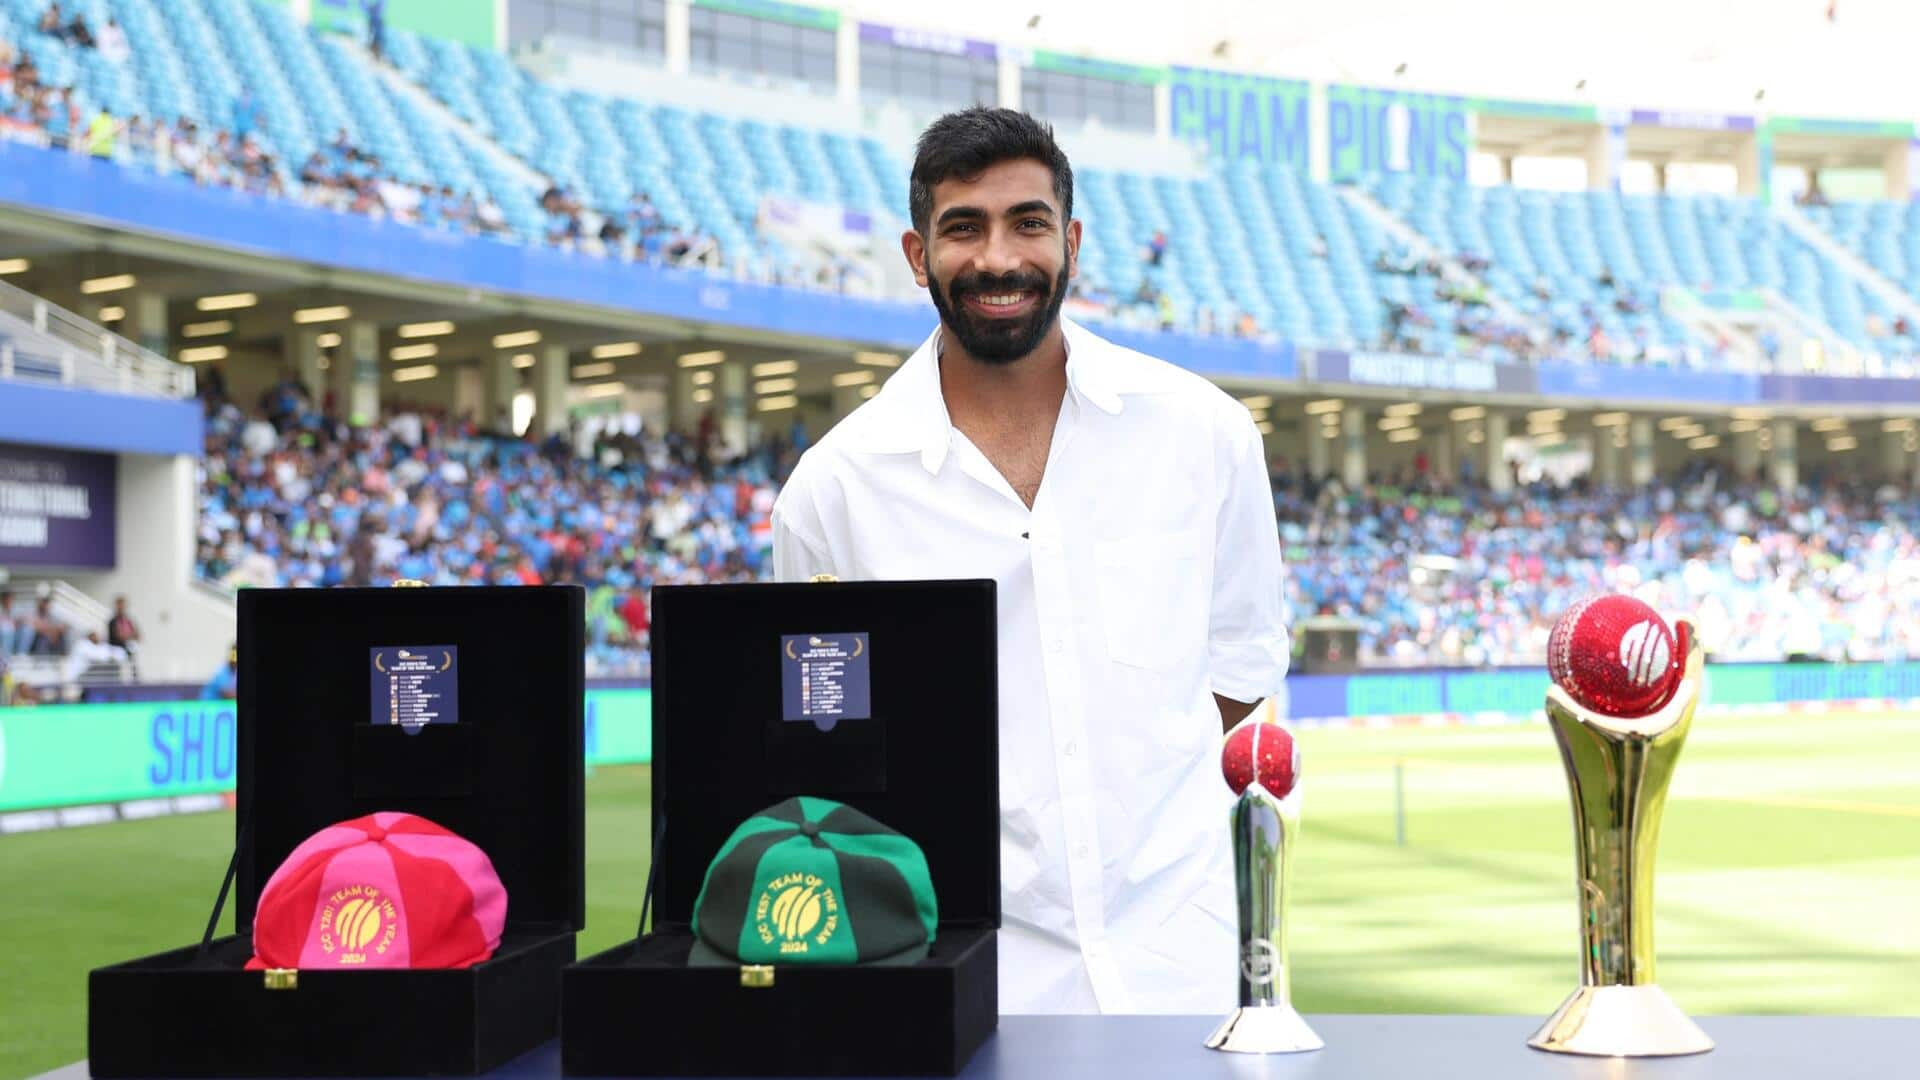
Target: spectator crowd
x,y
290,497
1448,574
1441,573
340,175
1435,572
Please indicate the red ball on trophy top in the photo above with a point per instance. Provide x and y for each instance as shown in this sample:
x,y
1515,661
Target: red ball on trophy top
x,y
1264,751
1615,655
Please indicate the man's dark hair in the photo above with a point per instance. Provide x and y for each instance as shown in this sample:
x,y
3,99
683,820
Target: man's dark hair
x,y
965,144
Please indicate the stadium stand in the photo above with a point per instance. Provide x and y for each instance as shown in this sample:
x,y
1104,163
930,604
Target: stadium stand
x,y
1246,250
447,135
1594,264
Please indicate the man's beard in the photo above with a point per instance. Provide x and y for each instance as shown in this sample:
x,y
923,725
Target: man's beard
x,y
999,341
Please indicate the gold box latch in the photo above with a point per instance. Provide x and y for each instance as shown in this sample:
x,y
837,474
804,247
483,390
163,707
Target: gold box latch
x,y
409,583
822,578
756,976
282,979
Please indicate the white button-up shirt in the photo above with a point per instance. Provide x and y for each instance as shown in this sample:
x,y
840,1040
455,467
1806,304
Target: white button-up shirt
x,y
1145,578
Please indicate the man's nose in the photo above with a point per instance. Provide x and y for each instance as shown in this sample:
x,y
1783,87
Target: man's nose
x,y
999,255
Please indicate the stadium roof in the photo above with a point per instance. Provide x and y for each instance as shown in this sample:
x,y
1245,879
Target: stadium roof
x,y
1667,54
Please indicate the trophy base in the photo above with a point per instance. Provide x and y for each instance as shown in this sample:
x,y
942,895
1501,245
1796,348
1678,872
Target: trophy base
x,y
1264,1029
1620,1021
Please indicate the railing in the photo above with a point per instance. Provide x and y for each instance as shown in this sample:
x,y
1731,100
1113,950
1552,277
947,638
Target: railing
x,y
54,679
78,610
57,678
59,346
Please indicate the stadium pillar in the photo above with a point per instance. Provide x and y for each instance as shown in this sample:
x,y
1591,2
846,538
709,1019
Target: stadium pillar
x,y
146,321
1786,455
1499,479
1746,454
1353,459
356,374
1640,446
845,400
847,46
301,347
1896,460
503,382
550,390
679,35
684,405
1010,79
1897,165
1606,457
733,406
1317,439
1599,159
1747,178
470,392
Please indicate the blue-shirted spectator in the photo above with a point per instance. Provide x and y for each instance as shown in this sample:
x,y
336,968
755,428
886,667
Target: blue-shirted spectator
x,y
246,114
225,682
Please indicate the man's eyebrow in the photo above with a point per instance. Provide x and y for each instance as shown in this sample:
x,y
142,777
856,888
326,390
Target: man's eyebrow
x,y
955,213
974,213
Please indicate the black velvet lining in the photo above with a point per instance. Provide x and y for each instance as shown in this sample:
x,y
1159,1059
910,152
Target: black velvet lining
x,y
174,1014
509,776
935,691
925,1019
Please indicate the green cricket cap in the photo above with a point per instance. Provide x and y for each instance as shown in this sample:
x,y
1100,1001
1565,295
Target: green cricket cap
x,y
813,881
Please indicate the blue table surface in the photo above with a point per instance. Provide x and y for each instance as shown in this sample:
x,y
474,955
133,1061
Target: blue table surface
x,y
1381,1047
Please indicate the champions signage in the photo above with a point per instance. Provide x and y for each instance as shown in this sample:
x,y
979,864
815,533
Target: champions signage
x,y
1391,131
56,507
1240,117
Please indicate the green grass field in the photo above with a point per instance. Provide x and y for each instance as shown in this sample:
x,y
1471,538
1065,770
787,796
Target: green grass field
x,y
1789,879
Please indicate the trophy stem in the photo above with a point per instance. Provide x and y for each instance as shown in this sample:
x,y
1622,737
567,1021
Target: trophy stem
x,y
1265,830
1618,770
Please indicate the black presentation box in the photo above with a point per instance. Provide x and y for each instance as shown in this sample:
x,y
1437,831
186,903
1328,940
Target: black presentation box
x,y
507,775
925,763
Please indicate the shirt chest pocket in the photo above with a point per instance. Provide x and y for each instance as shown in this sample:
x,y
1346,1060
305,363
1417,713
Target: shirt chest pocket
x,y
1154,596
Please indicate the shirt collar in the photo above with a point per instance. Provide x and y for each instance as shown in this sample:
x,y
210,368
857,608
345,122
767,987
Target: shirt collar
x,y
910,414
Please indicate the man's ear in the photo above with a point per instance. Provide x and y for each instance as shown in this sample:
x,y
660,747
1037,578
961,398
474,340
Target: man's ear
x,y
914,246
1073,249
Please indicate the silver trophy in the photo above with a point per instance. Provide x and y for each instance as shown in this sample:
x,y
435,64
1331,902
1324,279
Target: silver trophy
x,y
1265,829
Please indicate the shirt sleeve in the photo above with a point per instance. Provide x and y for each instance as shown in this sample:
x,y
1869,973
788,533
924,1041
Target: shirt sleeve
x,y
798,551
1247,642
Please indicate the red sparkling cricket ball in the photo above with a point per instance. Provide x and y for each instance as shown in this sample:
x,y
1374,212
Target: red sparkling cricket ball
x,y
1615,655
1263,751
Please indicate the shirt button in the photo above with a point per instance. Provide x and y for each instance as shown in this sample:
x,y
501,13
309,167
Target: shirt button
x,y
1070,748
1080,852
1054,644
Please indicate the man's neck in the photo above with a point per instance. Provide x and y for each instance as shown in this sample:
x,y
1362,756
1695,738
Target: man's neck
x,y
978,392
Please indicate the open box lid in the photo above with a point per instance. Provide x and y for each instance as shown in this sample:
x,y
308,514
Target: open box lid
x,y
321,679
924,762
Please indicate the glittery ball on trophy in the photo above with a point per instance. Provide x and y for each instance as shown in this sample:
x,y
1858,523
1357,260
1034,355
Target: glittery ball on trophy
x,y
1262,765
1624,690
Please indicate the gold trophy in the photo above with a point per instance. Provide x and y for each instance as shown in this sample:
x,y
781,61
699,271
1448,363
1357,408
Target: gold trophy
x,y
1265,830
1618,769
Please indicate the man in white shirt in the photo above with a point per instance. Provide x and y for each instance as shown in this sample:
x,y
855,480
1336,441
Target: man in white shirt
x,y
1122,505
